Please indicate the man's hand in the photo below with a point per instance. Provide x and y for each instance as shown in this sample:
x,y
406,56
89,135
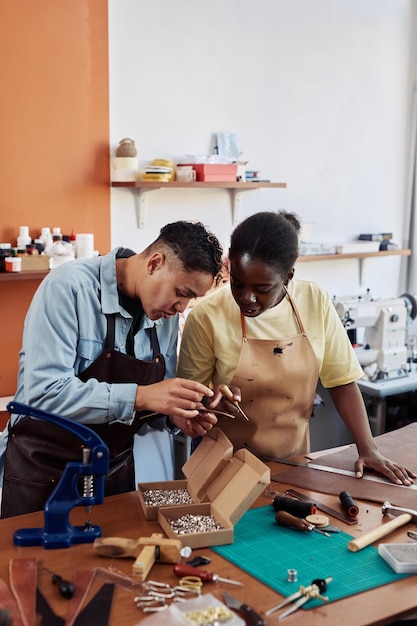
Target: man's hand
x,y
196,426
177,397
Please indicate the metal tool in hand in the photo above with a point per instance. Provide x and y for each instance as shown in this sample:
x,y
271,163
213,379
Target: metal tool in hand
x,y
228,394
181,569
303,595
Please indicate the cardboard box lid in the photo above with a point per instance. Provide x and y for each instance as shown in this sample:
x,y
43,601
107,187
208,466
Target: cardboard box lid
x,y
236,488
206,462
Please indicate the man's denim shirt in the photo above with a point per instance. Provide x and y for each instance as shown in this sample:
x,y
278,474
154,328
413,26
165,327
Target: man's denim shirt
x,y
65,331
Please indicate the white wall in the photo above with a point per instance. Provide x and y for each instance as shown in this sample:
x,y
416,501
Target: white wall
x,y
318,93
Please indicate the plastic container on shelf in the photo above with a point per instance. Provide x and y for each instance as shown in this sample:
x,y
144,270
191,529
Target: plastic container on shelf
x,y
84,245
24,239
13,264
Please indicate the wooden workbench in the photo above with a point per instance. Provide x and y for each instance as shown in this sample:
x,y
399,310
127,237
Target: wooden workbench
x,y
122,516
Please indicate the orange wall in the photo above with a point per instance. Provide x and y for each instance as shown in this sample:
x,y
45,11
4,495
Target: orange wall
x,y
54,137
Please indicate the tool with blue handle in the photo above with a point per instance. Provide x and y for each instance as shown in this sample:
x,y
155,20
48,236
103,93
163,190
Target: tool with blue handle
x,y
58,532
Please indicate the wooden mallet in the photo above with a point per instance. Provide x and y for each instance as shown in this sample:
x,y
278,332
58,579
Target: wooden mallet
x,y
403,516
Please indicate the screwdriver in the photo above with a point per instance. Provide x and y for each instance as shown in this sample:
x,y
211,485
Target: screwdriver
x,y
181,570
228,394
286,519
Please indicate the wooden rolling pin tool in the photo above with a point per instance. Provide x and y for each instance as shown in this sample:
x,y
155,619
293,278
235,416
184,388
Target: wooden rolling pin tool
x,y
404,516
145,551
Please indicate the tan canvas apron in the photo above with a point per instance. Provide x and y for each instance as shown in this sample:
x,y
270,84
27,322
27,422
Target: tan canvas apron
x,y
278,380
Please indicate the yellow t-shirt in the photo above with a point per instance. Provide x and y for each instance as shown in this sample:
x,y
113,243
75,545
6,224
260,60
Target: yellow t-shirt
x,y
212,335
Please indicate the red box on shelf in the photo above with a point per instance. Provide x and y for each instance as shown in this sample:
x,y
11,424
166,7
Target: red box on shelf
x,y
215,172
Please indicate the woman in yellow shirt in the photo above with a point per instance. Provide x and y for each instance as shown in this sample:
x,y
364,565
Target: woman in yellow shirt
x,y
271,337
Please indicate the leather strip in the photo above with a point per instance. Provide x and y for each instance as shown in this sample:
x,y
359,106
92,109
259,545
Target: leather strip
x,y
8,603
23,579
82,584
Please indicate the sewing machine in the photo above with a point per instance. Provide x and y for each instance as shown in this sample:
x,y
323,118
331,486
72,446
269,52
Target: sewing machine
x,y
383,351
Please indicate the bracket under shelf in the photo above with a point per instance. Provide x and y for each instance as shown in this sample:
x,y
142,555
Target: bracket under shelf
x,y
142,189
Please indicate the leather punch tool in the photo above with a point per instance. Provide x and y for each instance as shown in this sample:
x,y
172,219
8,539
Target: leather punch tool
x,y
81,484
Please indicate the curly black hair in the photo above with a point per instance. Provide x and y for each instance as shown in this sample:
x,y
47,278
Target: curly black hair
x,y
196,247
269,237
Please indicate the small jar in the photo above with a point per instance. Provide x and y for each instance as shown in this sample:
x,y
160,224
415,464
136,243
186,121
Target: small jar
x,y
5,251
13,264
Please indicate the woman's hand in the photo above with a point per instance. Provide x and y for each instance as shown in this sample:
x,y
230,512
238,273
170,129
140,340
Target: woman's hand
x,y
220,402
374,460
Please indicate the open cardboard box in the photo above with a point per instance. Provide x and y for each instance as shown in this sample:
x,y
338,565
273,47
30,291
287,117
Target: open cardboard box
x,y
207,461
228,496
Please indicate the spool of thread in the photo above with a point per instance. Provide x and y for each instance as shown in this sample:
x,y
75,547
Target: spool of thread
x,y
84,245
295,507
348,504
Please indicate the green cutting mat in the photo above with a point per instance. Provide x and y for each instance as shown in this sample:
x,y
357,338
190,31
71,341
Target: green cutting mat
x,y
266,551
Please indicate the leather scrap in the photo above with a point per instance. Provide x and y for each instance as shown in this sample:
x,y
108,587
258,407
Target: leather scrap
x,y
8,603
82,584
23,582
45,615
98,609
398,445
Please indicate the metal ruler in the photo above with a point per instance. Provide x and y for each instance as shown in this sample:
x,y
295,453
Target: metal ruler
x,y
336,470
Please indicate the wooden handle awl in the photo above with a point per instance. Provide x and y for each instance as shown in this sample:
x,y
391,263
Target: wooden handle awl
x,y
361,542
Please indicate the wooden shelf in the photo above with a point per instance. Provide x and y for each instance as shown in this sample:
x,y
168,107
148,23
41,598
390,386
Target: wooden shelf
x,y
147,184
361,256
358,255
142,188
29,275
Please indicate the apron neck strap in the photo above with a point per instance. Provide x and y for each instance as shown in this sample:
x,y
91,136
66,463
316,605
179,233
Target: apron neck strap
x,y
111,335
296,313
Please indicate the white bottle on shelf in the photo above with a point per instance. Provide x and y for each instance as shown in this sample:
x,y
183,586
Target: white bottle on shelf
x,y
46,239
24,238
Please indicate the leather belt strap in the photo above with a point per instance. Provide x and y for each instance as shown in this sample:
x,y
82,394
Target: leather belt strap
x,y
23,578
8,603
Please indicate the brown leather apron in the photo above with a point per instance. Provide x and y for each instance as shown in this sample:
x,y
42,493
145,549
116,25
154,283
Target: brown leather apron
x,y
37,451
278,380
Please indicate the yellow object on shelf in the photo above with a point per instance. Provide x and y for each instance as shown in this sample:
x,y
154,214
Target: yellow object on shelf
x,y
165,163
161,178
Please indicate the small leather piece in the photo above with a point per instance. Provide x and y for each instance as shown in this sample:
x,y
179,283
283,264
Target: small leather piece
x,y
45,615
23,582
82,584
98,609
8,603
